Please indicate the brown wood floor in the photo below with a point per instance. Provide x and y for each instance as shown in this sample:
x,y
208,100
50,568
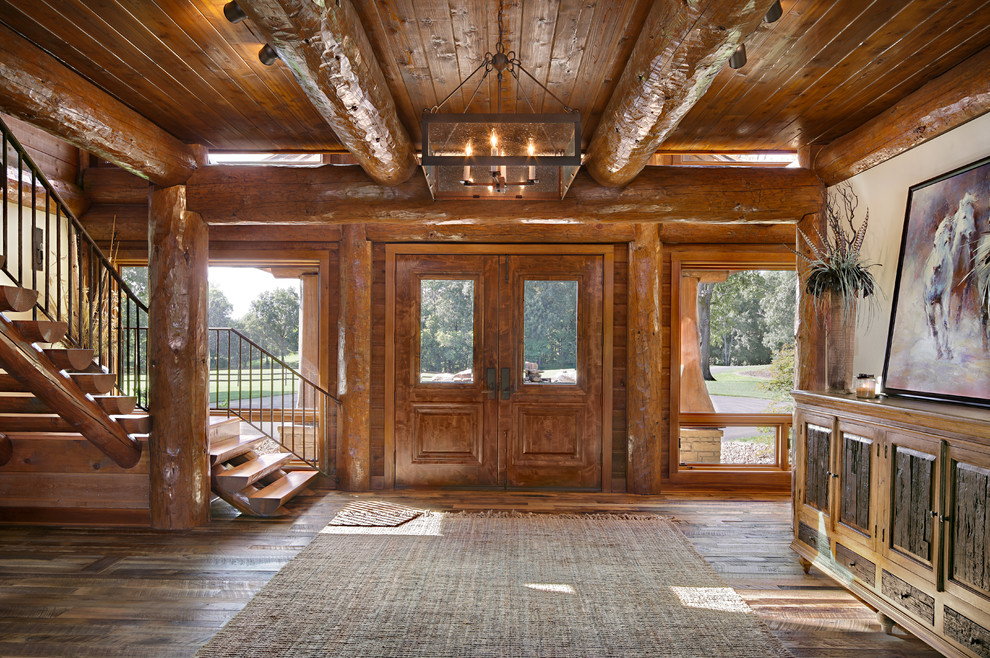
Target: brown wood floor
x,y
126,592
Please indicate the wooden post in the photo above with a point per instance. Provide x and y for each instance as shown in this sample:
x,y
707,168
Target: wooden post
x,y
179,371
354,361
309,327
643,373
809,356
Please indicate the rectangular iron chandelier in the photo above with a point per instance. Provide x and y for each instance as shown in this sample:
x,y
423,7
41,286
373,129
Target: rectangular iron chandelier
x,y
500,156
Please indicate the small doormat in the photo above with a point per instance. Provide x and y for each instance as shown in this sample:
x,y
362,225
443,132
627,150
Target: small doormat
x,y
373,514
499,585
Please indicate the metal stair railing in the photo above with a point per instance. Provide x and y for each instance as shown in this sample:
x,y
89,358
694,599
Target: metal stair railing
x,y
253,384
48,250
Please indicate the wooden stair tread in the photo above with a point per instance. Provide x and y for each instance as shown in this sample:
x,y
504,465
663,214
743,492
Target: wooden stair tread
x,y
116,405
249,472
134,423
75,358
17,299
223,429
41,331
94,383
270,498
226,450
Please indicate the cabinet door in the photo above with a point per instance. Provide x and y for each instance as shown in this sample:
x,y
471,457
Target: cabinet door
x,y
913,473
813,478
967,524
856,447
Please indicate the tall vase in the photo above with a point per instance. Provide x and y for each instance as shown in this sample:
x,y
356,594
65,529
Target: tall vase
x,y
840,339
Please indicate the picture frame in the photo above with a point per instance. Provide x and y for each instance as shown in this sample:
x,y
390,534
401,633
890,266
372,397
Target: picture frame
x,y
938,345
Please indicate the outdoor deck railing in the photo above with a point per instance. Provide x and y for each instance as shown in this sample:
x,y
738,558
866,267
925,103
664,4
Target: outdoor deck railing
x,y
48,250
249,382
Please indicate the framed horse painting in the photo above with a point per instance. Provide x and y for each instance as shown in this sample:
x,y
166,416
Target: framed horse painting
x,y
938,345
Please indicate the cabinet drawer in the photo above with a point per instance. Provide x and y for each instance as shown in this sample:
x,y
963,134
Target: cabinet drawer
x,y
909,597
966,632
808,535
858,565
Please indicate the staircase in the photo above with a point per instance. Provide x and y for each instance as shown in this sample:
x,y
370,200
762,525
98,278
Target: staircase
x,y
28,392
255,483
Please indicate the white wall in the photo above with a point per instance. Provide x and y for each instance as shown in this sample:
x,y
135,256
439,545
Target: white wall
x,y
883,189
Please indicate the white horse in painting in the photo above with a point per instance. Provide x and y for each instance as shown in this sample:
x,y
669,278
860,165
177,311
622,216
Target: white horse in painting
x,y
963,254
937,279
981,269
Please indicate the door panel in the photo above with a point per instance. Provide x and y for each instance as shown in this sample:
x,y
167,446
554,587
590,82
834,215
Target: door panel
x,y
552,429
445,414
498,370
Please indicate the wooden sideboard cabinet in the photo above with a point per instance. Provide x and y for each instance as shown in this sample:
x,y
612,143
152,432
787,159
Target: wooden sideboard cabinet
x,y
892,500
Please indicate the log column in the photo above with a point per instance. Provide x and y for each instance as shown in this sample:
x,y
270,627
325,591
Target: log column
x,y
809,355
354,361
177,351
644,413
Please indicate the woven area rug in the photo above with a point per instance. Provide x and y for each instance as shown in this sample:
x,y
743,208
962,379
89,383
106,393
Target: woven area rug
x,y
498,585
374,514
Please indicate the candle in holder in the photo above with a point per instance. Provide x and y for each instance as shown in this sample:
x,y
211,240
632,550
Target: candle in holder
x,y
866,386
532,170
467,168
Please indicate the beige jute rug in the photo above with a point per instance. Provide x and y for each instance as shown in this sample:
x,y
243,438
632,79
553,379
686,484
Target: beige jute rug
x,y
498,585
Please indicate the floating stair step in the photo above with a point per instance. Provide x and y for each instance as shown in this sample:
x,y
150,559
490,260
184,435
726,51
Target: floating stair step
x,y
74,359
23,404
94,383
226,450
16,299
35,423
10,385
222,428
41,331
94,368
135,423
239,477
268,500
116,405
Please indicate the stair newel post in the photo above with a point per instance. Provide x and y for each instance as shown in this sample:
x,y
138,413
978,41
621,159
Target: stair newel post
x,y
178,361
354,360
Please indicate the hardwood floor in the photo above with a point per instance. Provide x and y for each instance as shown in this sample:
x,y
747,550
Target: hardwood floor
x,y
132,592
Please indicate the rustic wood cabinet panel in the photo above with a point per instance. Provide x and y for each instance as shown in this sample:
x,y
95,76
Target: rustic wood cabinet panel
x,y
893,501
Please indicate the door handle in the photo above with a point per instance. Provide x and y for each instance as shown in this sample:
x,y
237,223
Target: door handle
x,y
506,383
490,384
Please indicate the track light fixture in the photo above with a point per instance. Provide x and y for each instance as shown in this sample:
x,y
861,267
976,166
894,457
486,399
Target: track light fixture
x,y
738,59
774,13
267,55
233,12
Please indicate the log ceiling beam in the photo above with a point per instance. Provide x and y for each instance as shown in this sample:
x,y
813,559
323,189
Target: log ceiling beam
x,y
69,192
950,100
326,48
37,88
114,186
340,195
681,49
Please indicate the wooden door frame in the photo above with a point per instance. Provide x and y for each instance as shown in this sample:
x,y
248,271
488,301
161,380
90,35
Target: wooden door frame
x,y
606,251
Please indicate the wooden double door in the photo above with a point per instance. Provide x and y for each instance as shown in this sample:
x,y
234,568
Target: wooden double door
x,y
500,369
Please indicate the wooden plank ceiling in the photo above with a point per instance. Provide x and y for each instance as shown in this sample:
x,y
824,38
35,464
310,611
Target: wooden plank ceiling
x,y
820,71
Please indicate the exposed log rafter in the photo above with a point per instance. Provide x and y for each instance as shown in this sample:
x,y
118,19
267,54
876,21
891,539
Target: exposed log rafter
x,y
329,195
327,50
37,88
681,49
948,101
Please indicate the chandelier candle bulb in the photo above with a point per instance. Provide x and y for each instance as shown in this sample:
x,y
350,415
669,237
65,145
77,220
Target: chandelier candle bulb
x,y
531,172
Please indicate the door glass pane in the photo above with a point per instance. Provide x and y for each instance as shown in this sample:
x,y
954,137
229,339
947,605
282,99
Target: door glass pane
x,y
446,330
550,332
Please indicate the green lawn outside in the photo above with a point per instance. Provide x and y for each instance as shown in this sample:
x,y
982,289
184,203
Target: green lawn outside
x,y
739,381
